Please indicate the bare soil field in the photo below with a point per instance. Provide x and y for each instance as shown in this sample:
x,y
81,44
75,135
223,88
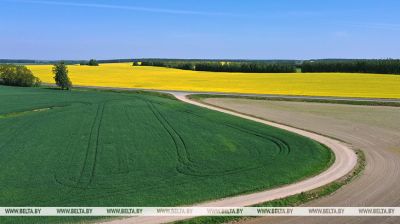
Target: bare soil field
x,y
373,129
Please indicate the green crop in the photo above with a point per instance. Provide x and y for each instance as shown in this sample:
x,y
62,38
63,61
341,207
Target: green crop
x,y
101,148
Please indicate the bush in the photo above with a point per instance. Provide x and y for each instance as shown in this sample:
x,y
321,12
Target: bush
x,y
17,75
60,72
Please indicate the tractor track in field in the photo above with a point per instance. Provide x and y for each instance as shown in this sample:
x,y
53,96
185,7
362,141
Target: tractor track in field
x,y
192,167
89,164
96,153
282,145
96,125
345,161
112,192
179,144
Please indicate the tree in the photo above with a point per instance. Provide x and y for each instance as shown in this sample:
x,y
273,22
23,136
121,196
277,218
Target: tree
x,y
93,62
17,75
60,72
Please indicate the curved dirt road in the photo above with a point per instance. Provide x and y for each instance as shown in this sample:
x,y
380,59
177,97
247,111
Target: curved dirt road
x,y
373,129
345,160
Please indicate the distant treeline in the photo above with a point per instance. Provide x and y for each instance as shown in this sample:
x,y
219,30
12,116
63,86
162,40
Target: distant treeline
x,y
383,66
170,60
115,60
387,66
38,62
17,61
67,62
216,66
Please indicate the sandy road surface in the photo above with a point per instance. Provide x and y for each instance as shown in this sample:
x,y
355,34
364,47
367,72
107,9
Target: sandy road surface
x,y
344,163
374,129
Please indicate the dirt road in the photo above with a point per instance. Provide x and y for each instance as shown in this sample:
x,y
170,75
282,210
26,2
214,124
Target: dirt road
x,y
373,129
345,160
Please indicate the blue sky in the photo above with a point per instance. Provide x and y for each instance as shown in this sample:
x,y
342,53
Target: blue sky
x,y
252,29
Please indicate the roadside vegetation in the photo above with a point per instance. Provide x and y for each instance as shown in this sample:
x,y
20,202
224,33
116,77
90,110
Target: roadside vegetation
x,y
97,148
18,75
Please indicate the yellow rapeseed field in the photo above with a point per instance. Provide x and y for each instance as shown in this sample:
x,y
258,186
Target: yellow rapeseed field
x,y
310,84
